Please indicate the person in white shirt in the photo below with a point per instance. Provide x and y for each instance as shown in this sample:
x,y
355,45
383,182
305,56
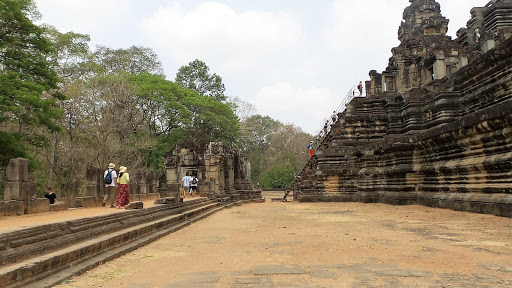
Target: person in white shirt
x,y
186,185
110,188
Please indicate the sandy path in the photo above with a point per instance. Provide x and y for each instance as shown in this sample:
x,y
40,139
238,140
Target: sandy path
x,y
275,244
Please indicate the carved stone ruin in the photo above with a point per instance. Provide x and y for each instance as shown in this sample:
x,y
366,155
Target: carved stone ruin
x,y
17,188
436,126
221,171
19,192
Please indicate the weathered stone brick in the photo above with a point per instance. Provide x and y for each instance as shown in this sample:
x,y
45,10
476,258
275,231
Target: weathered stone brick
x,y
59,206
12,191
13,208
39,205
17,170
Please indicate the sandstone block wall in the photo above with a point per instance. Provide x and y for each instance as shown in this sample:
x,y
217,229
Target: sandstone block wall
x,y
446,143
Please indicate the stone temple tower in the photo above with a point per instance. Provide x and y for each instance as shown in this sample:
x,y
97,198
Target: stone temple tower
x,y
425,52
435,127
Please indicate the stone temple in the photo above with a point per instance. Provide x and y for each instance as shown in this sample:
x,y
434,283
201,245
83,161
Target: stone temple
x,y
435,127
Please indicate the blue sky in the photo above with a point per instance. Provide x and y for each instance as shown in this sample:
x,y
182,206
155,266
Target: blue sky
x,y
294,60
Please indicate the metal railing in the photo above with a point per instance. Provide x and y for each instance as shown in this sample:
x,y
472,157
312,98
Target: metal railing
x,y
353,92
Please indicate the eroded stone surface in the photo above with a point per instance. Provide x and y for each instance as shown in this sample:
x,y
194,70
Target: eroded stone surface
x,y
435,127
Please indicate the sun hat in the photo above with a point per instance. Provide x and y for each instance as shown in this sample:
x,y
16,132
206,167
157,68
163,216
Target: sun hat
x,y
122,169
111,165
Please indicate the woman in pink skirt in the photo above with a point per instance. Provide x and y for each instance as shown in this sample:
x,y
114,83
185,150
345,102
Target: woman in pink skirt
x,y
123,197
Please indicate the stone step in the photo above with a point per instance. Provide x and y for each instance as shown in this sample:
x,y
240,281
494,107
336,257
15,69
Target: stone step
x,y
48,238
55,278
38,268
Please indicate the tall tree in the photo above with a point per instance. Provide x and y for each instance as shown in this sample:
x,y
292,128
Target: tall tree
x,y
275,150
196,77
243,109
29,86
73,63
72,58
134,60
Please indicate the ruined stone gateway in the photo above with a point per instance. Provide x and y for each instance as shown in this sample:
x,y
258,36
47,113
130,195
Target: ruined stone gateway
x,y
435,128
222,172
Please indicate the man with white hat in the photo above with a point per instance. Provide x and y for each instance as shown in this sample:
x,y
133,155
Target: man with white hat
x,y
110,176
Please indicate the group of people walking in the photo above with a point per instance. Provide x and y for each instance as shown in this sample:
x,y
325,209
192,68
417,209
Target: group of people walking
x,y
189,185
116,186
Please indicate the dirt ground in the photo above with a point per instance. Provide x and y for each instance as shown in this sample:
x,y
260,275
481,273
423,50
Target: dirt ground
x,y
275,244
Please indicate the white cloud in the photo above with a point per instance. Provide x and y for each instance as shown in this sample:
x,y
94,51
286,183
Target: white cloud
x,y
94,17
361,25
304,107
457,15
215,33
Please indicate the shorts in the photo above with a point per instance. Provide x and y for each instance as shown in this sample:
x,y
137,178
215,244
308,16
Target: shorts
x,y
194,188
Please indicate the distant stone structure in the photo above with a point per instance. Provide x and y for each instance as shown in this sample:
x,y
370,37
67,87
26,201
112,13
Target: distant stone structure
x,y
221,171
19,192
436,126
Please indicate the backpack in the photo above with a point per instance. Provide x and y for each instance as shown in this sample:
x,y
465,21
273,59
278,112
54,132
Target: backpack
x,y
108,177
194,180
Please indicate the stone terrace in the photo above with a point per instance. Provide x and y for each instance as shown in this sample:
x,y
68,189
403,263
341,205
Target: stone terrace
x,y
44,255
435,127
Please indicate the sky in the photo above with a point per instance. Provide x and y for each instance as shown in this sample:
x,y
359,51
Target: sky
x,y
293,60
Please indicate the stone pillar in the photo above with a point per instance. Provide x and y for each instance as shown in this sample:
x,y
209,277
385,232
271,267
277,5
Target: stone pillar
x,y
487,45
173,180
439,69
230,185
17,186
152,183
140,183
213,173
93,180
214,169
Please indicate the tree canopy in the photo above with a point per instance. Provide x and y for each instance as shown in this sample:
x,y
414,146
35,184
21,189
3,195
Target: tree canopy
x,y
195,76
65,107
28,92
275,150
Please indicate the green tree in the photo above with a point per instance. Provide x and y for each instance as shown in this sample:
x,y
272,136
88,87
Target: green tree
x,y
73,63
281,176
28,92
196,77
276,151
134,60
256,131
71,58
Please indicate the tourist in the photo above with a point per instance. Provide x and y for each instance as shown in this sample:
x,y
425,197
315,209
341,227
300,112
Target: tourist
x,y
477,35
123,197
193,185
186,185
50,195
285,195
326,126
334,117
310,148
110,177
360,88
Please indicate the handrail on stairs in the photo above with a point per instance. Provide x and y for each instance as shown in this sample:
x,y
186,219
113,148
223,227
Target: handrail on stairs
x,y
353,92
